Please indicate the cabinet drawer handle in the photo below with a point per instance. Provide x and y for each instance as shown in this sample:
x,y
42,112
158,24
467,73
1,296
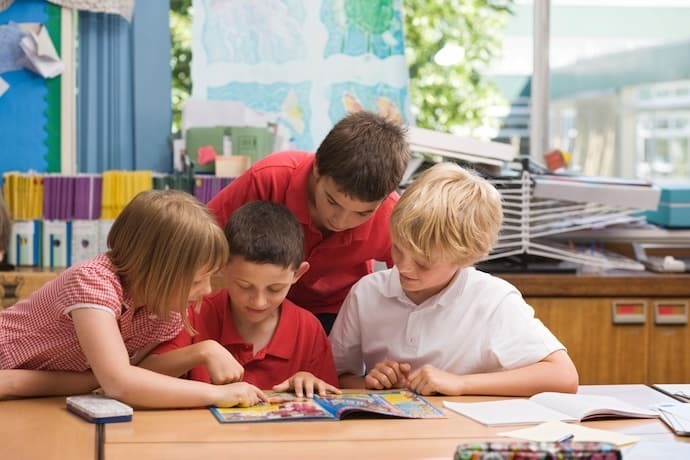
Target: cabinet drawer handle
x,y
629,311
671,312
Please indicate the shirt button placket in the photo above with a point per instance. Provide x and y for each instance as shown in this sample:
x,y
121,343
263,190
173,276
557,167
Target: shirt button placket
x,y
410,333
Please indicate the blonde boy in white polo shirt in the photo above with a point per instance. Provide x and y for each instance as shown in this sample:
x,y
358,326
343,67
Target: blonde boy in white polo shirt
x,y
435,324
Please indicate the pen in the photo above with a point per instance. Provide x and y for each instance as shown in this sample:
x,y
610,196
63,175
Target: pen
x,y
683,395
565,438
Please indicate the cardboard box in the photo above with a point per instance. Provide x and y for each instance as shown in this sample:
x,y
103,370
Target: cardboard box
x,y
674,205
232,166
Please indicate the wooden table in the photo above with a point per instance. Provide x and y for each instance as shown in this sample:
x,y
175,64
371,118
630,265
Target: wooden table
x,y
43,429
603,339
196,433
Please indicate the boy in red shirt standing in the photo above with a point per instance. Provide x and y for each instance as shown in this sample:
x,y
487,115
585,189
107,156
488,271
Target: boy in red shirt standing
x,y
343,197
278,345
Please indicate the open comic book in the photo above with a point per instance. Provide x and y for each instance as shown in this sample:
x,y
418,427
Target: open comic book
x,y
547,407
400,404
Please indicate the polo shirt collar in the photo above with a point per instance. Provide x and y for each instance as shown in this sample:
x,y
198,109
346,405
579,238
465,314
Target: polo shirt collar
x,y
392,288
297,200
281,345
450,295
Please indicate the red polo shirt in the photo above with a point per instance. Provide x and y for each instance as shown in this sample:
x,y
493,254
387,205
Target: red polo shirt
x,y
299,343
338,261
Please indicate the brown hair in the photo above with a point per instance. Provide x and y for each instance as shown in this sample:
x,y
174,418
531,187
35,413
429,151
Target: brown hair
x,y
159,242
266,233
365,155
448,210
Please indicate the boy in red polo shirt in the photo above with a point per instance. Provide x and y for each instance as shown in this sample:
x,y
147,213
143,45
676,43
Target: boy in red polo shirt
x,y
343,197
250,331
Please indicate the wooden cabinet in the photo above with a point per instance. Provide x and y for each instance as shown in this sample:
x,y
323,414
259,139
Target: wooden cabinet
x,y
669,349
617,328
578,309
603,352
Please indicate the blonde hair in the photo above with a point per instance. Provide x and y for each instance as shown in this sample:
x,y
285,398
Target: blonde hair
x,y
448,211
159,242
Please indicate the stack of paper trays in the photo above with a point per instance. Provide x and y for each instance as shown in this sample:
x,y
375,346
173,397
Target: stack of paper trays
x,y
537,207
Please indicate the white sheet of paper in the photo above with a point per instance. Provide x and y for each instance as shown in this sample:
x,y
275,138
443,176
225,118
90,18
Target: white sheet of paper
x,y
652,450
201,113
553,431
638,395
507,412
40,52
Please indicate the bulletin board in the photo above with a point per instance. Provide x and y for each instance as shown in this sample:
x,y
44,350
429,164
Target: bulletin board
x,y
30,127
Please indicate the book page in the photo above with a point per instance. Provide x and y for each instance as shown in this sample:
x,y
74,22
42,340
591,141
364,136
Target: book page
x,y
291,408
413,405
342,405
587,407
396,403
639,395
508,412
677,417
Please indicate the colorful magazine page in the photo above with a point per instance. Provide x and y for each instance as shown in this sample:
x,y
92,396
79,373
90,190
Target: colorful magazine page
x,y
397,403
289,408
404,404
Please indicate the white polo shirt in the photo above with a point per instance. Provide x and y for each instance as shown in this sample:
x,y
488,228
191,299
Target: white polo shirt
x,y
478,323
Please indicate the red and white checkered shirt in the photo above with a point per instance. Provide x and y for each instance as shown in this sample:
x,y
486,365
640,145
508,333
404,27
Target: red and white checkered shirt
x,y
38,333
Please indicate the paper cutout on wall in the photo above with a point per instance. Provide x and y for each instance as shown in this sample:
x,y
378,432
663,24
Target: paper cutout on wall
x,y
11,55
23,107
41,56
27,45
206,154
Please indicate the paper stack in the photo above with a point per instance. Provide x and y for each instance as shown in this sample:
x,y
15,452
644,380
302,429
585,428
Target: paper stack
x,y
531,217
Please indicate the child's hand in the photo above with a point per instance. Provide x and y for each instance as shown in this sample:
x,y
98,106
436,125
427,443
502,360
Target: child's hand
x,y
428,380
240,394
387,374
304,383
222,367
